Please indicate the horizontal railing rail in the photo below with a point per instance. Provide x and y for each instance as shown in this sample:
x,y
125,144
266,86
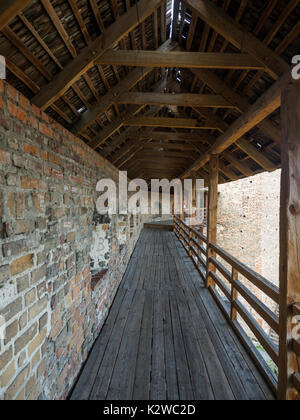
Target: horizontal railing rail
x,y
197,246
296,345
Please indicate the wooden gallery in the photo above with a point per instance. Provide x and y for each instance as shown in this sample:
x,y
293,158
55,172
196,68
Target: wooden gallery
x,y
145,307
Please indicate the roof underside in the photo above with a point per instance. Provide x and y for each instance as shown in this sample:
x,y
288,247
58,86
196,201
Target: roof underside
x,y
49,35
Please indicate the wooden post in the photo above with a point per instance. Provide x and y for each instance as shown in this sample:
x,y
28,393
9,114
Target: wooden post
x,y
212,215
289,235
234,294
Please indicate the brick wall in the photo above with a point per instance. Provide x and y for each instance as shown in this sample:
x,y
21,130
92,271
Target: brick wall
x,y
248,226
60,264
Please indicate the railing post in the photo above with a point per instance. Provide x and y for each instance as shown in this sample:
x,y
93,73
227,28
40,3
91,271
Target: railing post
x,y
234,294
212,215
190,242
289,236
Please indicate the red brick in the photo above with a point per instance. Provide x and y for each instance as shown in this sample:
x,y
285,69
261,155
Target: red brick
x,y
46,130
4,157
29,183
44,155
30,149
17,112
54,159
57,174
12,93
36,111
24,102
33,122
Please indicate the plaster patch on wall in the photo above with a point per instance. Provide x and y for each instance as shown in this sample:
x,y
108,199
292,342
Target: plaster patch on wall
x,y
100,248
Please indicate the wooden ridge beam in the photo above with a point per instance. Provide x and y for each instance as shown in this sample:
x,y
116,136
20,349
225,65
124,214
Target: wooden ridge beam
x,y
9,9
261,109
236,35
167,122
139,58
179,99
87,58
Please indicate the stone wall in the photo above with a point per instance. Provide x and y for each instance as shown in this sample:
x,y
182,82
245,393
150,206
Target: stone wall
x,y
248,225
60,263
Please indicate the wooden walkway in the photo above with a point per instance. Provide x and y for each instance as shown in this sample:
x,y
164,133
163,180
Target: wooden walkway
x,y
165,338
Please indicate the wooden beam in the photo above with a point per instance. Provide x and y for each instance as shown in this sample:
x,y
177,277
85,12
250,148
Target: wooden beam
x,y
179,99
260,110
59,27
257,156
289,236
157,154
87,58
110,97
238,36
212,214
19,44
9,9
240,102
173,136
109,130
139,58
168,146
167,122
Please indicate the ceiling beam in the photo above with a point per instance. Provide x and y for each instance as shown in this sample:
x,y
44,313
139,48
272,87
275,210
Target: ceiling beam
x,y
167,122
139,58
168,146
236,34
174,136
261,109
112,96
114,126
87,58
178,99
9,9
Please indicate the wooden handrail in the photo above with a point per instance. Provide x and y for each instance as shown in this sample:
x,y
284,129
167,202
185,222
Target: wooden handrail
x,y
259,281
191,239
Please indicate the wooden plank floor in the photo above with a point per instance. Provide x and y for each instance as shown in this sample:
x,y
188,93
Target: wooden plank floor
x,y
165,338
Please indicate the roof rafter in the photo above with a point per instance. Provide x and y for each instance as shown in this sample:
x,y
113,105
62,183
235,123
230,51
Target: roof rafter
x,y
86,59
9,9
222,23
261,109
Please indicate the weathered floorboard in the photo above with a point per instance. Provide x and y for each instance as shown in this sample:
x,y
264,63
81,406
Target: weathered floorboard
x,y
165,338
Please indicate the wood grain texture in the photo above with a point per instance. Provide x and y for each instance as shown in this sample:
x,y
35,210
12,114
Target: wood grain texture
x,y
165,338
289,234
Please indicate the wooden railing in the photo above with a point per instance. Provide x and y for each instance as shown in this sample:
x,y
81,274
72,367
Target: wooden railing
x,y
231,290
296,346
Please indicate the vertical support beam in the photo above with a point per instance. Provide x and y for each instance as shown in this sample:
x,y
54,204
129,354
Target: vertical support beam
x,y
289,235
212,215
